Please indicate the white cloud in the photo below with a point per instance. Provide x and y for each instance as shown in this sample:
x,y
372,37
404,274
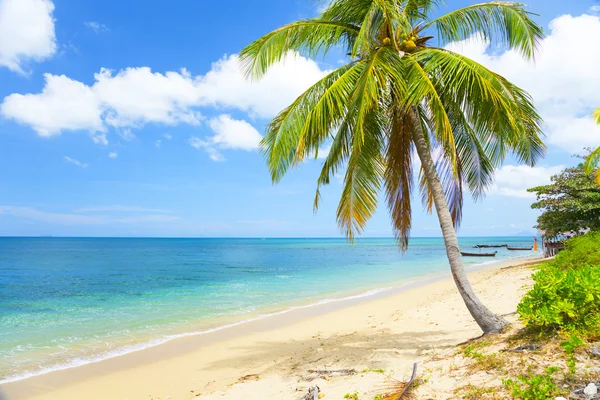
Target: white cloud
x,y
27,32
133,97
76,162
75,218
200,144
113,155
565,87
99,138
226,86
120,208
167,136
229,134
234,134
96,26
136,96
54,218
594,9
64,104
514,180
126,134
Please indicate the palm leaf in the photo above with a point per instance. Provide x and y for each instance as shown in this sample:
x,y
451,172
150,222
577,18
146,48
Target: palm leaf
x,y
285,132
362,181
591,164
498,111
398,176
506,22
423,91
309,37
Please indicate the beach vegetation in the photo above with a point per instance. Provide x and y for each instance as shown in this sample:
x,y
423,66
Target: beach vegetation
x,y
571,202
566,294
579,251
376,370
472,392
532,386
351,396
482,361
402,97
563,299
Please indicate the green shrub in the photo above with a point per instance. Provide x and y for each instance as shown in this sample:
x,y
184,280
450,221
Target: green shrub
x,y
566,299
580,251
533,386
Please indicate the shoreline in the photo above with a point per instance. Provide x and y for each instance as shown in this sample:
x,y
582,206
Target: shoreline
x,y
172,347
228,322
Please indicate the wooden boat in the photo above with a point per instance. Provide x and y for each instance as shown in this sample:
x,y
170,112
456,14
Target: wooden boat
x,y
520,248
490,246
465,254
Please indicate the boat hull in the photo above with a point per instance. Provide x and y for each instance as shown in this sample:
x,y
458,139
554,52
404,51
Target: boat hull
x,y
465,254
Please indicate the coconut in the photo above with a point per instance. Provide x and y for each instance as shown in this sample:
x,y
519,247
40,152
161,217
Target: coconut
x,y
409,45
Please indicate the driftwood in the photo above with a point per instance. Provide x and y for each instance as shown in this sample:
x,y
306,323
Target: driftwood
x,y
333,372
313,394
327,374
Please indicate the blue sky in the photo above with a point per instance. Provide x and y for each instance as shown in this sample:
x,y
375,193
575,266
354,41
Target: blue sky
x,y
132,119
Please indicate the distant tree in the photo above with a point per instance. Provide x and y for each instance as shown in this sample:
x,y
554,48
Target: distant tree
x,y
593,160
570,203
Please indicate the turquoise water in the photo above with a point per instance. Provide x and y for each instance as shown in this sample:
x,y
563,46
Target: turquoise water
x,y
70,301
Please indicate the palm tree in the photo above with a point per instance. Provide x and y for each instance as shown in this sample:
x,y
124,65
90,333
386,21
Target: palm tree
x,y
593,159
398,94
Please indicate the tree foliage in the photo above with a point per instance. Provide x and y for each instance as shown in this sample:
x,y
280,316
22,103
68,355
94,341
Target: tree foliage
x,y
394,83
570,203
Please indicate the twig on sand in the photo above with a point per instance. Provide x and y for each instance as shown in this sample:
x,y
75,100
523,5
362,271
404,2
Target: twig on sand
x,y
398,389
412,379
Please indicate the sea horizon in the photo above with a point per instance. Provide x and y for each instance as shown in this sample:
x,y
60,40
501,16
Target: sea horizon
x,y
255,237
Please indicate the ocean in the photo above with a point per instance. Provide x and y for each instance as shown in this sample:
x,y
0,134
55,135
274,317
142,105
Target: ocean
x,y
66,302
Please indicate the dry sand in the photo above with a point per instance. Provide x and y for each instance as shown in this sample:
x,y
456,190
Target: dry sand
x,y
271,358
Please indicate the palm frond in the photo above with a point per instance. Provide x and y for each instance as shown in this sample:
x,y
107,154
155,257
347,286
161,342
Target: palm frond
x,y
398,176
418,10
284,133
451,179
505,22
424,93
500,113
352,12
310,38
363,177
476,165
592,163
383,66
338,154
381,17
596,115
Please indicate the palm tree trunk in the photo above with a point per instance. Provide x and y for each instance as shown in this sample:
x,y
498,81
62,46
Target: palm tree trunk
x,y
487,321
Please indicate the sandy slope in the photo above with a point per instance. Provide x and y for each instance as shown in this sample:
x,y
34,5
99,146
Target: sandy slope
x,y
388,333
